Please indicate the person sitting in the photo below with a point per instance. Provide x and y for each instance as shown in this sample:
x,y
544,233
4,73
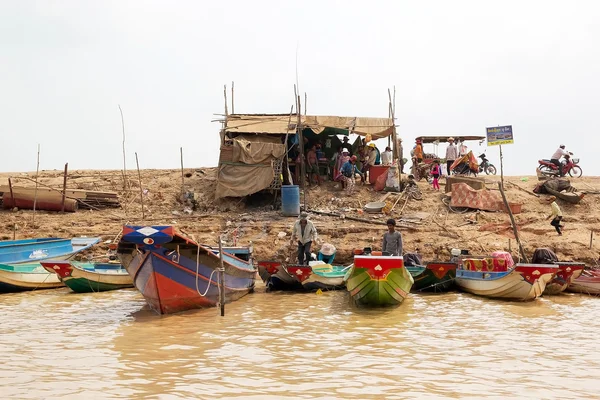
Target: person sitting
x,y
555,159
349,170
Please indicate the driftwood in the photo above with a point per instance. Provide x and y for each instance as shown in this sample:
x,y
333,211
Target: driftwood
x,y
368,221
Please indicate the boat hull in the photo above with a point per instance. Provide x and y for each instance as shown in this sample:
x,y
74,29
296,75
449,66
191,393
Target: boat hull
x,y
522,282
433,277
276,277
26,277
567,273
175,274
376,281
315,278
587,283
90,277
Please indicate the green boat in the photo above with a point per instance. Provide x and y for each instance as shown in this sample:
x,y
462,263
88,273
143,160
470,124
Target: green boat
x,y
88,277
376,280
437,276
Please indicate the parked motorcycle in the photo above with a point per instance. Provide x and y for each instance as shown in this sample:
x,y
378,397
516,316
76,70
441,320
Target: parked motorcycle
x,y
486,166
569,166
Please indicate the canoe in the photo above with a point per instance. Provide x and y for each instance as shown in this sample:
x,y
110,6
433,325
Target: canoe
x,y
567,273
486,277
588,283
375,280
276,277
175,274
570,197
23,277
83,277
324,277
436,276
29,250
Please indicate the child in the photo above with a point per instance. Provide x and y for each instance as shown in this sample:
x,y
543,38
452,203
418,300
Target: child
x,y
557,214
435,173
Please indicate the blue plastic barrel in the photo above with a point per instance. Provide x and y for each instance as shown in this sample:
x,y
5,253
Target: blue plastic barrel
x,y
290,200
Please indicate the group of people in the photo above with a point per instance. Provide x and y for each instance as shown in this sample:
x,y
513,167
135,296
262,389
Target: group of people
x,y
305,234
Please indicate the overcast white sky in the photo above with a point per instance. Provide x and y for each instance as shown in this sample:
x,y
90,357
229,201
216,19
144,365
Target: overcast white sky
x,y
458,66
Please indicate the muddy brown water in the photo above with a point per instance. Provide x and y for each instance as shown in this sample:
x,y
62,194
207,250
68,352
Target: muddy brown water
x,y
56,344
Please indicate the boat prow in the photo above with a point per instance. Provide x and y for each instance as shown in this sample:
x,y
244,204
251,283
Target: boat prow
x,y
376,280
566,275
84,277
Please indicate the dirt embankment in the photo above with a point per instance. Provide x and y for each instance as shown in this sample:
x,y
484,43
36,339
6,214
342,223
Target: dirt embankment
x,y
433,230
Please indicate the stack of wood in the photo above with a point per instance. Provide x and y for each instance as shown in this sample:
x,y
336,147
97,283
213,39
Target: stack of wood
x,y
52,199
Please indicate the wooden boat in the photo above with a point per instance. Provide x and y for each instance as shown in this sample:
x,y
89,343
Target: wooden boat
x,y
84,277
174,273
276,276
30,250
436,276
23,277
489,277
588,283
324,276
376,280
567,273
570,197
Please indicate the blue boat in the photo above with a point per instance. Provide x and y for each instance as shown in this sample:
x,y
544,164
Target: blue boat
x,y
175,274
31,250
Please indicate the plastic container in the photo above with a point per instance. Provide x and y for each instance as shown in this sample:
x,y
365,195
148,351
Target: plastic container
x,y
290,200
376,171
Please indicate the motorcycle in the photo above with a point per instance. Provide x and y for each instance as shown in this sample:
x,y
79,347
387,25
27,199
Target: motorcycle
x,y
486,166
569,166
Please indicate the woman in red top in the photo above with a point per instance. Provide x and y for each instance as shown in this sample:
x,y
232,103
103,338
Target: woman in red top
x,y
436,172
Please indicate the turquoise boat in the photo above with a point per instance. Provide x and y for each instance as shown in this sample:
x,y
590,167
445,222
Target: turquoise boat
x,y
322,276
23,277
30,250
82,277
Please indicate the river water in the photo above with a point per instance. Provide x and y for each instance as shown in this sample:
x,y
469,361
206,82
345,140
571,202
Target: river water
x,y
56,344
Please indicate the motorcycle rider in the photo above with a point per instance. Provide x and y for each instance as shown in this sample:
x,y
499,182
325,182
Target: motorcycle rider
x,y
555,159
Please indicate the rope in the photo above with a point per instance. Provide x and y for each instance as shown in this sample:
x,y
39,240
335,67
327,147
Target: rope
x,y
197,273
436,284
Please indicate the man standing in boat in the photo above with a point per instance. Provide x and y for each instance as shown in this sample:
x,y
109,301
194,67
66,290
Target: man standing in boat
x,y
304,233
392,240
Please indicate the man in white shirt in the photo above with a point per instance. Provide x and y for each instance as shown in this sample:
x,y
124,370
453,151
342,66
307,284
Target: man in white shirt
x,y
558,154
451,154
386,156
304,233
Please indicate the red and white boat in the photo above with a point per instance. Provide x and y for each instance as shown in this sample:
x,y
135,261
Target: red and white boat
x,y
588,283
566,275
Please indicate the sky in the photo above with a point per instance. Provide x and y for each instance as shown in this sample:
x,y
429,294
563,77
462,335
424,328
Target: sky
x,y
457,66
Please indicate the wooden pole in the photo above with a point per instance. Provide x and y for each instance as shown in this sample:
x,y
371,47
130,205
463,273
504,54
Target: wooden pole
x,y
182,176
287,180
513,223
225,94
501,168
64,191
37,172
232,106
591,239
300,139
12,196
305,101
14,231
221,279
124,165
140,183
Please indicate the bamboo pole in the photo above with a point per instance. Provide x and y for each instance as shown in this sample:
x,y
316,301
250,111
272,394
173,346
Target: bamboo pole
x,y
225,94
124,164
140,183
501,167
591,239
182,175
64,191
37,172
300,141
305,101
512,222
221,278
232,106
14,231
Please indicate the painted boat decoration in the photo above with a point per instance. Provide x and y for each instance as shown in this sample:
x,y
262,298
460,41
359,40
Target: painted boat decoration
x,y
175,274
587,283
566,275
435,276
489,277
376,280
323,276
82,277
24,277
276,277
31,250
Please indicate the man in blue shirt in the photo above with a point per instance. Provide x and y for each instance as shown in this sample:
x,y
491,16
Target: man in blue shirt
x,y
348,171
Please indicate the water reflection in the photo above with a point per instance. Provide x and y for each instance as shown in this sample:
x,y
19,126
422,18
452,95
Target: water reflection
x,y
283,345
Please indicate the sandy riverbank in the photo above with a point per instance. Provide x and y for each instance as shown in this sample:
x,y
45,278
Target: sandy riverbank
x,y
255,220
